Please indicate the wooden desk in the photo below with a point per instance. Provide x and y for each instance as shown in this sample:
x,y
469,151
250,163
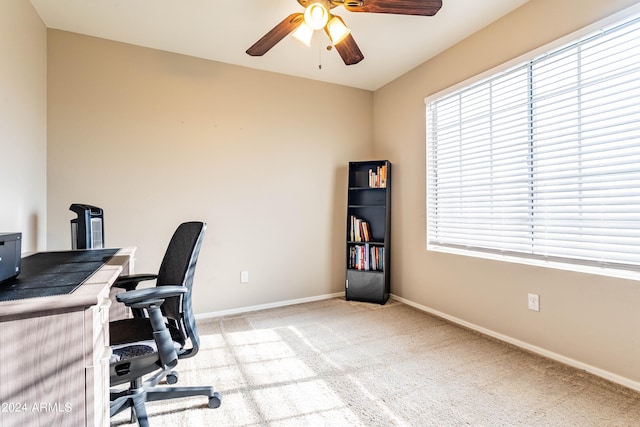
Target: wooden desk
x,y
54,353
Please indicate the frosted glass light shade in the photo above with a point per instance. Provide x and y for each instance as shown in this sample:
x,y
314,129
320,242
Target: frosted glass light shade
x,y
337,30
304,33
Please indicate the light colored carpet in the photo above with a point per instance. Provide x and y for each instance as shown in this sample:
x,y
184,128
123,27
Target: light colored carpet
x,y
339,363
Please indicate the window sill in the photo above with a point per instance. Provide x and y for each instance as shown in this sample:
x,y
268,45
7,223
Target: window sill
x,y
599,270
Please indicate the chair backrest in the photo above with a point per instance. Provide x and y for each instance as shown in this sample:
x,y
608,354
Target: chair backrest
x,y
178,268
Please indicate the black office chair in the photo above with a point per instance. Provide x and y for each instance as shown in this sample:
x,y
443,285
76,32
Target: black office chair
x,y
162,331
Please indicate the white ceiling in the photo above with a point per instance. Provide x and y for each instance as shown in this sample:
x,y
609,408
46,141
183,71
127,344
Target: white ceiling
x,y
223,30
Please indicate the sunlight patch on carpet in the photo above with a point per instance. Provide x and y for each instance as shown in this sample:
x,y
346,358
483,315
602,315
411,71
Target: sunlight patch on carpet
x,y
310,400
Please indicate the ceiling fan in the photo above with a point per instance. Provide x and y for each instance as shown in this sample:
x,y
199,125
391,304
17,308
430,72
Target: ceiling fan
x,y
317,15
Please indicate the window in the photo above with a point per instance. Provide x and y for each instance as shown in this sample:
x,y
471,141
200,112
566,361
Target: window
x,y
540,162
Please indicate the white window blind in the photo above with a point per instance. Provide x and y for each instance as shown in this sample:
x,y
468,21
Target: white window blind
x,y
542,160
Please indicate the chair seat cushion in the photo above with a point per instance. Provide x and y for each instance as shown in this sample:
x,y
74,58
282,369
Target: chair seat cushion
x,y
132,350
133,360
128,331
129,339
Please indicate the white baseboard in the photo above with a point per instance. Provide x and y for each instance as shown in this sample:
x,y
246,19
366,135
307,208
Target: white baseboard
x,y
629,383
241,310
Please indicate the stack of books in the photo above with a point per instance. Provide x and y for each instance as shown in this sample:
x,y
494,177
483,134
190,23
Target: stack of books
x,y
378,178
360,230
366,257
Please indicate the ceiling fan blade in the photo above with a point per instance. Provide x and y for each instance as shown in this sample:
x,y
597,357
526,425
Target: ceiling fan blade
x,y
349,51
277,33
398,7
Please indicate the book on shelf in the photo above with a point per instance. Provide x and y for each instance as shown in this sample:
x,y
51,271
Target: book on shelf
x,y
366,257
359,230
378,178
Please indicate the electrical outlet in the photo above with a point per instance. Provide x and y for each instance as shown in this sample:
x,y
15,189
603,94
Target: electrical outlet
x,y
533,302
244,277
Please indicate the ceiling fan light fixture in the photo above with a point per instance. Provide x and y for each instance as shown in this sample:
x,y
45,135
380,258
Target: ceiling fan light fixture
x,y
304,33
337,30
316,15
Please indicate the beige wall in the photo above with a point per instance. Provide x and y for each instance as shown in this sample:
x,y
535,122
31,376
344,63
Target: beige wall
x,y
156,138
587,320
23,123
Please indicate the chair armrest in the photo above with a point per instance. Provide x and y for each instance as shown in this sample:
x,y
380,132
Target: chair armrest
x,y
130,282
148,296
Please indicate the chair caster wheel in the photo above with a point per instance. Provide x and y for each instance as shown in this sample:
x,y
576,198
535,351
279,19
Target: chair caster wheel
x,y
172,378
215,401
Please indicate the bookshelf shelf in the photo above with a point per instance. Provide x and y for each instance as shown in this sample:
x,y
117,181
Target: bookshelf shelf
x,y
368,256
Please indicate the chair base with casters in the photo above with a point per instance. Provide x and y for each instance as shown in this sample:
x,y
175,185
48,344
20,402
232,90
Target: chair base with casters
x,y
139,393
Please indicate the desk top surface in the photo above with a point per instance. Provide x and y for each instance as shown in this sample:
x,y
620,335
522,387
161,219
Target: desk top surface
x,y
46,274
97,281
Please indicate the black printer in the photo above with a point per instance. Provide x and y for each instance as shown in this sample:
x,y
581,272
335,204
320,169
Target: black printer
x,y
10,255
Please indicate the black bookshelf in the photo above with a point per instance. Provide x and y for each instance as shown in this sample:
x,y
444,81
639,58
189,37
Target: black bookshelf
x,y
368,257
